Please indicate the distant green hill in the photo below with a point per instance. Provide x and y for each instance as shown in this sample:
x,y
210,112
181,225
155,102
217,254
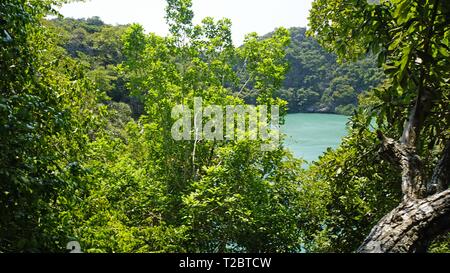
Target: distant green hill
x,y
315,82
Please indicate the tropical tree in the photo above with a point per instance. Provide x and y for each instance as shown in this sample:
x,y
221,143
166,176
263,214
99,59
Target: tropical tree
x,y
48,110
153,193
411,38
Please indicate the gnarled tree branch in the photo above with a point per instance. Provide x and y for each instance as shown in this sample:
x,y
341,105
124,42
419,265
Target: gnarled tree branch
x,y
410,226
406,159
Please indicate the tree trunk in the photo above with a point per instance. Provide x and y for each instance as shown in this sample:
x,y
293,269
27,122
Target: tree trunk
x,y
411,226
425,210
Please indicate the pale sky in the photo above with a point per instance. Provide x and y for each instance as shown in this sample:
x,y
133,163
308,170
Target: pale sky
x,y
261,16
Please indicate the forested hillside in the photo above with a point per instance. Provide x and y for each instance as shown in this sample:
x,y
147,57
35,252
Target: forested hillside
x,y
315,81
99,48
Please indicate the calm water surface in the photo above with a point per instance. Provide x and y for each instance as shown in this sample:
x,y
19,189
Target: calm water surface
x,y
309,135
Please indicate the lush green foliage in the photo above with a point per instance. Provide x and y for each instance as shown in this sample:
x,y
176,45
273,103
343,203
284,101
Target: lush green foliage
x,y
86,116
99,48
315,82
166,195
48,114
347,191
73,168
